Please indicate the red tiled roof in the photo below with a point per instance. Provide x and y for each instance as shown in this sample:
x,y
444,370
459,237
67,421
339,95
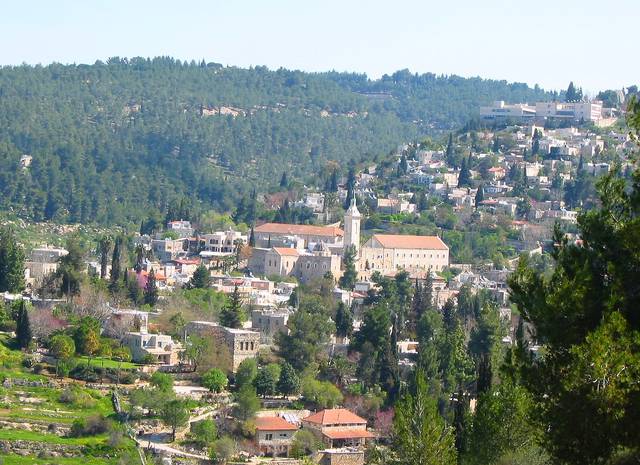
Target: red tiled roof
x,y
399,241
274,424
299,229
335,416
286,251
348,433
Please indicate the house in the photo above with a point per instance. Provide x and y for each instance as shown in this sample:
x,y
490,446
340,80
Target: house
x,y
270,234
274,435
338,427
394,206
269,322
389,253
241,343
306,265
160,347
340,456
182,228
168,249
43,261
221,243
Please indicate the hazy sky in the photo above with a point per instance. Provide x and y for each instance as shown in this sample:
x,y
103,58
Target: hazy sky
x,y
548,42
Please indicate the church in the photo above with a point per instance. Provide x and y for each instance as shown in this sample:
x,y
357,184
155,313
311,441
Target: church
x,y
310,252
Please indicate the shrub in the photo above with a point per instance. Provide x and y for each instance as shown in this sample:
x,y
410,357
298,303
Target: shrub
x,y
204,432
91,426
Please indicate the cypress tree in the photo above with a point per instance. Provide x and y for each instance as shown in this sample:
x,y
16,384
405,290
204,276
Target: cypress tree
x,y
11,263
151,289
23,326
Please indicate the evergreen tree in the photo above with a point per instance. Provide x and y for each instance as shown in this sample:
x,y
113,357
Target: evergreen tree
x,y
116,264
151,289
333,182
586,313
344,321
289,382
201,278
231,315
284,182
420,434
449,155
252,238
479,195
464,177
104,250
351,185
23,326
350,275
70,268
11,263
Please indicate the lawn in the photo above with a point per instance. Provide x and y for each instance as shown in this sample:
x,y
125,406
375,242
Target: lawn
x,y
15,460
24,435
106,362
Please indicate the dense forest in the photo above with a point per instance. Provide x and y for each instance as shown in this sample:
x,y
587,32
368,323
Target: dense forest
x,y
111,142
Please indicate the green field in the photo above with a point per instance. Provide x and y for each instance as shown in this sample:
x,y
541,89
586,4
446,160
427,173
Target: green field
x,y
105,362
15,460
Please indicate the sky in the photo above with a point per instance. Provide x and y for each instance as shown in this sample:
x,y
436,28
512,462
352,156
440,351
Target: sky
x,y
546,42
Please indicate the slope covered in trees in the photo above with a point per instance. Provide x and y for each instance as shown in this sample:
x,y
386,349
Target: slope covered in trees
x,y
112,141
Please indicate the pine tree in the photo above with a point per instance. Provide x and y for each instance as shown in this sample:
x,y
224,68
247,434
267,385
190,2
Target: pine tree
x,y
289,382
201,278
231,315
11,263
252,238
151,289
350,275
23,326
421,436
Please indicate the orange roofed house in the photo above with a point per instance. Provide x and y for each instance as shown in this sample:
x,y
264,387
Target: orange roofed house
x,y
338,427
274,435
388,253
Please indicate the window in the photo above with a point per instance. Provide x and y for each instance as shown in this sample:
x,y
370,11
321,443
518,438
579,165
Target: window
x,y
268,436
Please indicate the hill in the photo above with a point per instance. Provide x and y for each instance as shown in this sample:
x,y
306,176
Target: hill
x,y
111,142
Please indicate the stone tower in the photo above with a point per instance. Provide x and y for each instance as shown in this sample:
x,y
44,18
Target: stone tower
x,y
352,226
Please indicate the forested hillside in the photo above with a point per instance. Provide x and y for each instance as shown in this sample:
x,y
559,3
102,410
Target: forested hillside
x,y
111,142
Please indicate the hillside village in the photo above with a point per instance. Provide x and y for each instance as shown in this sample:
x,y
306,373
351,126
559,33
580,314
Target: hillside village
x,y
292,341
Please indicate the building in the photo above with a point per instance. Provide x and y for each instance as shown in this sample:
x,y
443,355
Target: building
x,y
340,456
159,347
269,322
272,234
168,249
499,109
305,265
241,343
274,435
389,253
577,111
182,228
352,220
338,427
221,243
43,261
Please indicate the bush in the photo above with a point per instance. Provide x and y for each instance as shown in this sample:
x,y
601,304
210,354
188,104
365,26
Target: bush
x,y
76,396
91,426
204,432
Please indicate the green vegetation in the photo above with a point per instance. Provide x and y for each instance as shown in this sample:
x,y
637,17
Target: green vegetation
x,y
160,122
